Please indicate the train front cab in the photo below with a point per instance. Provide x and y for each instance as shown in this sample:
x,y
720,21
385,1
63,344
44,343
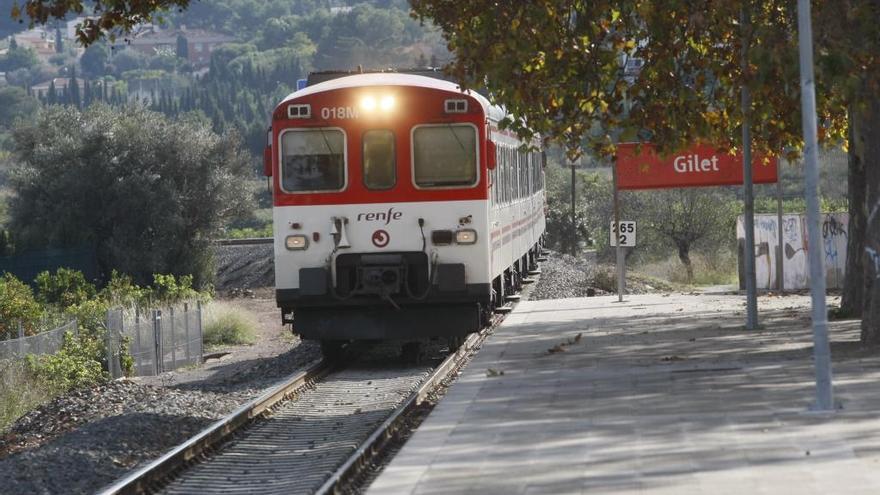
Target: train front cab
x,y
381,219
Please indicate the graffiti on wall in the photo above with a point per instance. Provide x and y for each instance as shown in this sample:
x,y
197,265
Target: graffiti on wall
x,y
795,249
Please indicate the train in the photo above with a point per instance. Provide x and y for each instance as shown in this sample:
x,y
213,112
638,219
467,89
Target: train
x,y
401,209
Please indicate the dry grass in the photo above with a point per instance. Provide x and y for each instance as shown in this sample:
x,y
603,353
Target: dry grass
x,y
717,269
20,391
227,324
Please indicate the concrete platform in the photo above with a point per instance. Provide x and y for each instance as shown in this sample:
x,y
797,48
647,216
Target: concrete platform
x,y
660,395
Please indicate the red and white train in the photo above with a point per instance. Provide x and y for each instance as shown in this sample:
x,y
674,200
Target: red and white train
x,y
401,211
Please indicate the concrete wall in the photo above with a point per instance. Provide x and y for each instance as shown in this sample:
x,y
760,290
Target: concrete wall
x,y
796,270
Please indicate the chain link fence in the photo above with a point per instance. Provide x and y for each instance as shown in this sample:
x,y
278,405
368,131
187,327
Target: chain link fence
x,y
158,340
48,342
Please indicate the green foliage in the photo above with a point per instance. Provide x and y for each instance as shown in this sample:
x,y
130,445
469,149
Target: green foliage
x,y
122,291
18,58
228,325
74,366
17,304
15,104
94,60
591,190
150,193
20,391
249,232
63,289
799,205
168,289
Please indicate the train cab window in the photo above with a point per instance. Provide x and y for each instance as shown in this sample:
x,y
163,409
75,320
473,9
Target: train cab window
x,y
380,170
444,155
312,160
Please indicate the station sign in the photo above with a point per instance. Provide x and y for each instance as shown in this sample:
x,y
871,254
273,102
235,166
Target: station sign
x,y
627,233
641,167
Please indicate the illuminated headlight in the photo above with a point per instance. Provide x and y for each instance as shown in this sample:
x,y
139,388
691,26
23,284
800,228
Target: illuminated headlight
x,y
466,236
368,103
371,103
296,242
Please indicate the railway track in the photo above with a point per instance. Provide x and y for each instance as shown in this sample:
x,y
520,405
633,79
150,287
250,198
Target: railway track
x,y
310,434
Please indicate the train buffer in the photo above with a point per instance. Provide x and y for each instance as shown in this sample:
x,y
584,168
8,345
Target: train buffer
x,y
658,394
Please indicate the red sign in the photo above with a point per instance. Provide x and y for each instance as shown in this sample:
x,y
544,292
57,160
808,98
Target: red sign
x,y
701,165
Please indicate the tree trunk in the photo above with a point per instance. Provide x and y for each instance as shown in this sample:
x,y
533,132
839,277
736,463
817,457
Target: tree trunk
x,y
871,308
853,296
685,257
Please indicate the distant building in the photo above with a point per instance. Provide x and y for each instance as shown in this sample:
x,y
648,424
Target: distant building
x,y
40,40
200,43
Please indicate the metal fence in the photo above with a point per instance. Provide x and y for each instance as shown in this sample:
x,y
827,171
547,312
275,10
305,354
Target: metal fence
x,y
158,340
48,342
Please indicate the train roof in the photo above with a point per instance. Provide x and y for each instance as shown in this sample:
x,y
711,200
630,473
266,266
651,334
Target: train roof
x,y
395,79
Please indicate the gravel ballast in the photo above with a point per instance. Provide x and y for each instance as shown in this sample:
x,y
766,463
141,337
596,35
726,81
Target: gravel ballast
x,y
86,439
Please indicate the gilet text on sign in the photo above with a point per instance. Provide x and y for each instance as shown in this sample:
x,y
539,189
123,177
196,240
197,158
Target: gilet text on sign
x,y
701,165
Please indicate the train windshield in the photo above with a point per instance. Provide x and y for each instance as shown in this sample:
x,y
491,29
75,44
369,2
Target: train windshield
x,y
379,164
312,160
445,155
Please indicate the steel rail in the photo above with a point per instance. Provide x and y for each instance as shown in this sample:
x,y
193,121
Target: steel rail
x,y
377,441
141,480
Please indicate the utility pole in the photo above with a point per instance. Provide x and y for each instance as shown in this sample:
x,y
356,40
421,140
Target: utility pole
x,y
821,347
574,235
748,193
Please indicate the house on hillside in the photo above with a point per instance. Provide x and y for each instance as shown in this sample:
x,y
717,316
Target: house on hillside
x,y
40,40
199,42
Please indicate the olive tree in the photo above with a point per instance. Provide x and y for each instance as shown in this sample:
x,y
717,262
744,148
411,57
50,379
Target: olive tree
x,y
149,193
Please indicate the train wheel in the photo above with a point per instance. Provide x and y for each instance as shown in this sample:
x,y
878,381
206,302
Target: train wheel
x,y
332,349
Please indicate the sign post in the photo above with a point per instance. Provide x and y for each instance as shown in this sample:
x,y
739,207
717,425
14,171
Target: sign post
x,y
621,258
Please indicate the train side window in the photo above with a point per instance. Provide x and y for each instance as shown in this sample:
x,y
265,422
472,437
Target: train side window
x,y
379,163
312,160
444,155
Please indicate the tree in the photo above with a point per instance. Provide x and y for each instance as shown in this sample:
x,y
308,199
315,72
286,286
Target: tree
x,y
15,104
149,193
73,93
688,218
558,65
182,47
110,18
59,43
94,60
18,58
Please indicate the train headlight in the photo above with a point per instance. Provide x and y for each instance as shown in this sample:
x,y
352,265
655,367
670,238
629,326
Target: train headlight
x,y
368,103
296,242
371,103
466,236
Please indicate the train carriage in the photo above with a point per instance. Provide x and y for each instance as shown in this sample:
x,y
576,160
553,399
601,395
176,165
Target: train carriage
x,y
400,210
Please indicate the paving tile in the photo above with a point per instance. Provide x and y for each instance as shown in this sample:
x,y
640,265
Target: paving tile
x,y
662,395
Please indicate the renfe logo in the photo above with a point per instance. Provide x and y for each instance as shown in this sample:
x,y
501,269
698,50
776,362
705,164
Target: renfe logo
x,y
387,216
693,163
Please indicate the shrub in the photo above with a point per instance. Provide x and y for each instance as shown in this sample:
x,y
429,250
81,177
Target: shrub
x,y
74,366
17,303
122,291
228,325
64,289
